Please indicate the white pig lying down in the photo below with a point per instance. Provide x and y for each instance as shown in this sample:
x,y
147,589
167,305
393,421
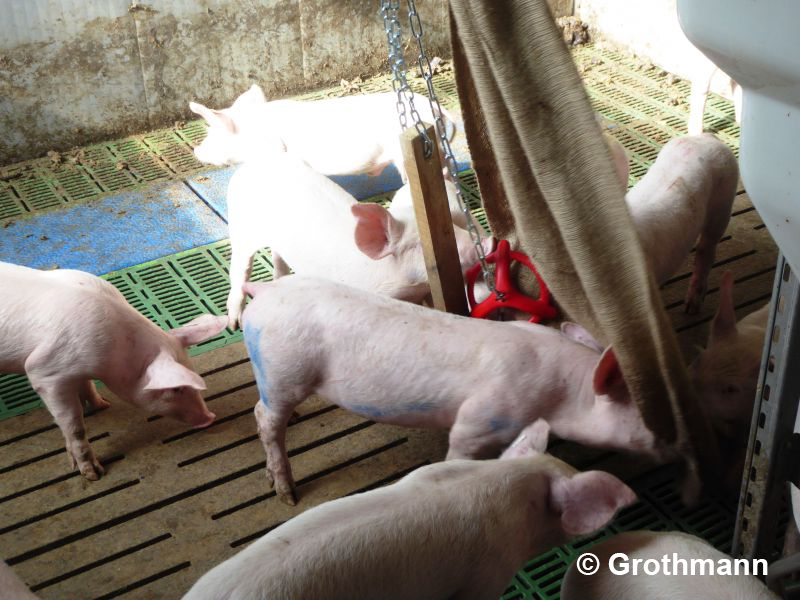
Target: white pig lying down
x,y
399,363
688,192
316,228
458,529
335,136
65,328
654,546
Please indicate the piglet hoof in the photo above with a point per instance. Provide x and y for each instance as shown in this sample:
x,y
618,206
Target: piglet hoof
x,y
694,297
693,304
294,417
287,495
96,404
92,472
235,307
100,403
270,479
90,469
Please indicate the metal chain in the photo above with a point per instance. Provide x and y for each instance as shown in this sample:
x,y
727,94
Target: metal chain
x,y
450,160
405,95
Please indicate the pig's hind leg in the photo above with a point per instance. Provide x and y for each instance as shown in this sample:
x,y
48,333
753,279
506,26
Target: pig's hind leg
x,y
698,284
90,397
63,401
272,425
718,214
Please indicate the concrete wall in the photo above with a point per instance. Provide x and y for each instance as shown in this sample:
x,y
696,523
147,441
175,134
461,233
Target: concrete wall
x,y
77,71
649,29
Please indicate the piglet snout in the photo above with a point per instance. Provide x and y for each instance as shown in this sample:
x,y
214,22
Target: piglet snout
x,y
206,420
196,416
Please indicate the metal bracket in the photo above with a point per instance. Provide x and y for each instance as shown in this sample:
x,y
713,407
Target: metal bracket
x,y
768,464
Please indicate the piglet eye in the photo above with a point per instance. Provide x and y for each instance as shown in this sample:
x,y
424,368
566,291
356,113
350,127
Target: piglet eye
x,y
730,389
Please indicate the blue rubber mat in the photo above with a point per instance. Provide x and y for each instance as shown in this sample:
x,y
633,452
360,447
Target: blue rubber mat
x,y
113,232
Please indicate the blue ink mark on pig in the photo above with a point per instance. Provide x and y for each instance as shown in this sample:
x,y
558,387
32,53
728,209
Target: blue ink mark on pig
x,y
252,339
376,412
501,423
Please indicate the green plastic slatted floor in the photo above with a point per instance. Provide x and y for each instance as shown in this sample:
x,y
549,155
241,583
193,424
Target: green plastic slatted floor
x,y
644,109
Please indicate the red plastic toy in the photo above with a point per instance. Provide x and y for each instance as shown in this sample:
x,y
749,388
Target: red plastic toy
x,y
506,295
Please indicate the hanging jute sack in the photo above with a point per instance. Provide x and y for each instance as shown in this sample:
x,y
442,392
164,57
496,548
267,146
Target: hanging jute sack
x,y
548,185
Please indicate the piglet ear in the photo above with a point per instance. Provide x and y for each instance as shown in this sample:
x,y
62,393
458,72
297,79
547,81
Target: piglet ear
x,y
607,373
201,110
200,329
531,442
620,159
588,501
213,117
165,372
724,323
253,96
578,334
377,232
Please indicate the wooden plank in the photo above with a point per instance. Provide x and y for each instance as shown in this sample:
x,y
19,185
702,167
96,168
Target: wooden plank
x,y
435,222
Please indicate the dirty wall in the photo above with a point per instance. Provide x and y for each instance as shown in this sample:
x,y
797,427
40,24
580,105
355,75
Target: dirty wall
x,y
78,71
649,29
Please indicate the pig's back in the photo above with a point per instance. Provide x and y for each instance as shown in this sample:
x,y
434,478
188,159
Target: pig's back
x,y
396,361
392,543
339,136
670,204
284,202
43,307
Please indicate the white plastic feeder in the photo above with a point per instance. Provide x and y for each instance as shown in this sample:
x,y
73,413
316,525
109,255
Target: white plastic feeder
x,y
756,42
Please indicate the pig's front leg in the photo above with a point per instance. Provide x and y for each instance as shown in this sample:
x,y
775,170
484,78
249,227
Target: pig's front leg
x,y
479,432
62,399
241,267
279,266
272,432
697,101
90,397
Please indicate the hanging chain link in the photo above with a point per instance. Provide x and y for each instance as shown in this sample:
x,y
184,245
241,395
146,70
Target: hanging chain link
x,y
394,36
405,95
